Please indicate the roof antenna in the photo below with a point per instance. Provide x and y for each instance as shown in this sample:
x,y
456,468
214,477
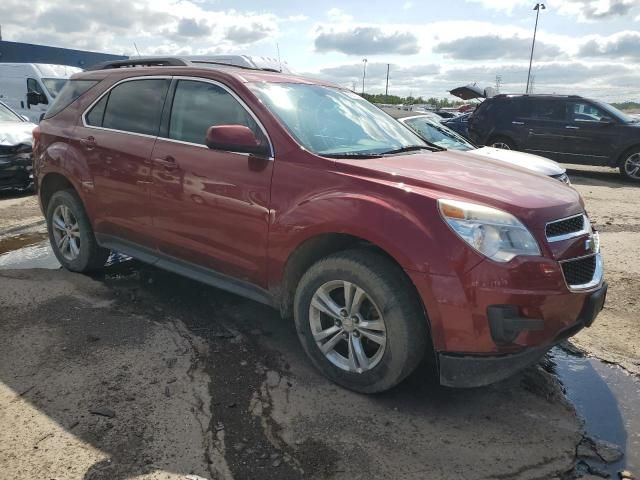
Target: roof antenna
x,y
279,62
134,44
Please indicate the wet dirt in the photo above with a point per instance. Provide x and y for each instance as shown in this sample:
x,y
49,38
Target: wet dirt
x,y
605,397
15,242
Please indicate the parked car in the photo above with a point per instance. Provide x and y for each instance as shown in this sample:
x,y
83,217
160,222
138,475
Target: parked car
x,y
304,196
438,134
459,124
565,128
16,172
29,88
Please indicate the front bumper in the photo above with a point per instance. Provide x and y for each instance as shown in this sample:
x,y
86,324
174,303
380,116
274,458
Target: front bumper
x,y
462,370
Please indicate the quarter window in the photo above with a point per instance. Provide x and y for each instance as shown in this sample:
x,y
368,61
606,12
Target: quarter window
x,y
134,106
200,105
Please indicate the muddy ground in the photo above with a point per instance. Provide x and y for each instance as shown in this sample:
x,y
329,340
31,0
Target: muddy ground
x,y
138,373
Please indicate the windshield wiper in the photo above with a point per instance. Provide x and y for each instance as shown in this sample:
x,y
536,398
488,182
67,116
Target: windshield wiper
x,y
353,155
412,148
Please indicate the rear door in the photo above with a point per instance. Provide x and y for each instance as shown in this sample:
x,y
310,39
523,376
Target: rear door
x,y
210,207
116,139
544,122
589,139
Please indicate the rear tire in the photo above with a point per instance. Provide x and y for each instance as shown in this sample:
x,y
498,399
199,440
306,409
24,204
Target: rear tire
x,y
71,235
503,143
630,165
376,320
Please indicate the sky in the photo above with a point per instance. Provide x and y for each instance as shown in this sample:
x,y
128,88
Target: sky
x,y
585,47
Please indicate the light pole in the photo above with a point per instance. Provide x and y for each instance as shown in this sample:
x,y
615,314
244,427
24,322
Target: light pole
x,y
364,73
537,8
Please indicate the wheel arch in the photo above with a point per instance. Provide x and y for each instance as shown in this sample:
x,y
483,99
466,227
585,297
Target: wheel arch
x,y
625,152
51,183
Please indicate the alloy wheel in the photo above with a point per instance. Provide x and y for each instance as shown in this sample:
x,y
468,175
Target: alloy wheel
x,y
347,326
632,166
66,232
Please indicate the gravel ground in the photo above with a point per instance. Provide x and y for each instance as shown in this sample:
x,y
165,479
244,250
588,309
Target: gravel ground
x,y
138,373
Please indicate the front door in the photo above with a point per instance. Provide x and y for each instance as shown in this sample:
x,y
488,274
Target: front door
x,y
591,132
116,140
210,207
544,127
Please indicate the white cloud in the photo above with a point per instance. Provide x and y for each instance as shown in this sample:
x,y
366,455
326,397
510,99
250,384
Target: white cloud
x,y
337,15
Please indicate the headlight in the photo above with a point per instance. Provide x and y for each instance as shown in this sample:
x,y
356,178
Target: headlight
x,y
492,232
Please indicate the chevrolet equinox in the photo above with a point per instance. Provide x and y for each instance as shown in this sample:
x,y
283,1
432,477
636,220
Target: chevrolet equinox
x,y
304,196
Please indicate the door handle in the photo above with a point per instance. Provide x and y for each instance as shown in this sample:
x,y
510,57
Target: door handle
x,y
517,123
89,143
571,127
168,162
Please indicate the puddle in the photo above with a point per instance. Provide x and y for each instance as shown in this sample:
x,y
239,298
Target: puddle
x,y
607,398
31,251
16,242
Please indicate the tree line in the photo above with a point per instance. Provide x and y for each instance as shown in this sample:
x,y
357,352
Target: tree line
x,y
396,100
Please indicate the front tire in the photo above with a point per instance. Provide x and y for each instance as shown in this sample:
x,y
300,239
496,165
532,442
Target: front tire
x,y
71,235
360,321
630,165
503,143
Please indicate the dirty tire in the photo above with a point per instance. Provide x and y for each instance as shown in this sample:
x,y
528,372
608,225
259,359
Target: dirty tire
x,y
396,299
504,143
91,256
630,163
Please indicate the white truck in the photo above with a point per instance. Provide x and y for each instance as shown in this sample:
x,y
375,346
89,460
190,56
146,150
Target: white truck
x,y
29,88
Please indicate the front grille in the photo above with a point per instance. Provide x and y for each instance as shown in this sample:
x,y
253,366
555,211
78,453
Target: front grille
x,y
579,271
566,226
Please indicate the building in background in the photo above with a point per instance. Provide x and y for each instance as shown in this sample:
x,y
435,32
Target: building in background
x,y
16,52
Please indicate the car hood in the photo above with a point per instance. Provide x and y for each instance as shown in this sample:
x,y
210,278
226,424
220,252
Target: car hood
x,y
465,176
531,162
15,133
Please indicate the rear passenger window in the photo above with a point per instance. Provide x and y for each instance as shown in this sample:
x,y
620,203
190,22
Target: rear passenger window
x,y
542,109
200,105
69,93
134,106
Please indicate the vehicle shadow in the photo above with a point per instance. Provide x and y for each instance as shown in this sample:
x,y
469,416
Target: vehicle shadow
x,y
64,354
606,178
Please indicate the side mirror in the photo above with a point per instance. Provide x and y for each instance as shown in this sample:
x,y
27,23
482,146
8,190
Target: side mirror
x,y
235,138
35,98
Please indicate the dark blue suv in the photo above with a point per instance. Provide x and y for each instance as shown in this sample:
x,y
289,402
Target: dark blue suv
x,y
568,129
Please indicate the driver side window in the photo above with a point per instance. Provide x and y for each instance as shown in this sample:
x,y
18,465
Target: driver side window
x,y
34,86
200,105
585,112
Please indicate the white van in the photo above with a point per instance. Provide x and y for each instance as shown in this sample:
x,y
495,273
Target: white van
x,y
29,88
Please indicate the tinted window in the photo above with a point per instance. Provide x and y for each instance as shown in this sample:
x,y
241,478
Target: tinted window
x,y
96,115
71,90
547,109
136,106
199,105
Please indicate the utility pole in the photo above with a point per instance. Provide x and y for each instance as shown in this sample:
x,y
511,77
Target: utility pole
x,y
386,89
364,73
498,83
533,83
537,8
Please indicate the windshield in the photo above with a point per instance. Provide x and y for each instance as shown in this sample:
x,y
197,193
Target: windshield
x,y
438,134
7,115
615,112
330,122
54,85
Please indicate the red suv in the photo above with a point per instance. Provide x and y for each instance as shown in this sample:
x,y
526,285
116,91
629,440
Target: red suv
x,y
305,197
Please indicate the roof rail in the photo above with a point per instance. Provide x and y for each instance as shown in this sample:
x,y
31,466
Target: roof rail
x,y
142,62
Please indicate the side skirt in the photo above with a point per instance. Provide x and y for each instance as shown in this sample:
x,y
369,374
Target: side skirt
x,y
186,269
